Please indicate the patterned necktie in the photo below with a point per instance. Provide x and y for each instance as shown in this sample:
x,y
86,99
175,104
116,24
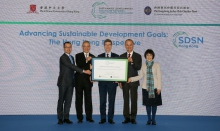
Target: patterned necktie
x,y
129,55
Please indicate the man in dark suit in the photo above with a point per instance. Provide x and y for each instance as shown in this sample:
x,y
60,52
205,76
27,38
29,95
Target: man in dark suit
x,y
107,87
66,83
84,84
134,64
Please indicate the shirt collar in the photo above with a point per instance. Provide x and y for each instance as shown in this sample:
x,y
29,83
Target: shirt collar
x,y
85,54
67,54
109,54
131,53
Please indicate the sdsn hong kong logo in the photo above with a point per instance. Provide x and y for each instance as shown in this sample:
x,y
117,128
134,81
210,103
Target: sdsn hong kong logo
x,y
183,40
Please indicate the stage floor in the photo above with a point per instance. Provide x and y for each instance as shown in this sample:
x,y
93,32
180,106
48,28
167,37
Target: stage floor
x,y
164,123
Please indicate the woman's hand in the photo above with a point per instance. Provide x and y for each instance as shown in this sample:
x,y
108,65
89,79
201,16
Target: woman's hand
x,y
158,91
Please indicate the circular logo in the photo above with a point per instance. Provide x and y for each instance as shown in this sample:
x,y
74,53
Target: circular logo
x,y
147,10
98,10
176,36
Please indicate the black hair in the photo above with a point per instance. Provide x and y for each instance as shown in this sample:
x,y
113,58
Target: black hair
x,y
149,51
107,40
67,42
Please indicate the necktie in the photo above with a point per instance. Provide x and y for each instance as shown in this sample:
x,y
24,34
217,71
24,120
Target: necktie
x,y
107,55
129,55
71,62
71,59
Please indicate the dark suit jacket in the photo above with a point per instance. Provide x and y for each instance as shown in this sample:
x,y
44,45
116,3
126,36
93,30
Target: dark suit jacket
x,y
81,63
67,70
110,83
133,68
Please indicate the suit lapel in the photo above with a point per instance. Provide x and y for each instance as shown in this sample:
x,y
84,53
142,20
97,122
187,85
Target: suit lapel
x,y
83,56
102,55
69,58
133,55
124,55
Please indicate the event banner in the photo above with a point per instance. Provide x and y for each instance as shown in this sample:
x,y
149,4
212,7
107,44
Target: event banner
x,y
184,35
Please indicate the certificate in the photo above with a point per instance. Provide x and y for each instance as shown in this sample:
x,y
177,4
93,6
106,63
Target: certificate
x,y
109,69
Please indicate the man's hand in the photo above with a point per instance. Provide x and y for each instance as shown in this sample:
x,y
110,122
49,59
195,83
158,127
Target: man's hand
x,y
129,80
90,78
130,59
88,58
90,66
120,85
87,72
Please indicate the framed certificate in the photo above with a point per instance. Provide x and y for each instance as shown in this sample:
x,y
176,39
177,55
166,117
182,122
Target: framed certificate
x,y
109,69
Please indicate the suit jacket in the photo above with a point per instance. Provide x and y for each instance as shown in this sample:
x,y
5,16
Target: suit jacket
x,y
67,70
143,74
133,67
110,83
82,79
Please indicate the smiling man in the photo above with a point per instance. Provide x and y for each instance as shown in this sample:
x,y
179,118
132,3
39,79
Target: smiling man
x,y
130,89
107,87
66,82
84,84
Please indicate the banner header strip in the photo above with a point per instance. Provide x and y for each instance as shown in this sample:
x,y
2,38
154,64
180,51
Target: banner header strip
x,y
102,24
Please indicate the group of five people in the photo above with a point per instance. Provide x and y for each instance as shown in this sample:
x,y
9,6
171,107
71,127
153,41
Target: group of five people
x,y
81,80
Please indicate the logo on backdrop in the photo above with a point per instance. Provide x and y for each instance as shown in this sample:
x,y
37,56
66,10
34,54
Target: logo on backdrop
x,y
100,10
182,40
50,9
33,9
147,10
169,10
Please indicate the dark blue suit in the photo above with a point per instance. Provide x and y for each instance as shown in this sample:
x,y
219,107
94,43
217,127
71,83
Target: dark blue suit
x,y
107,87
66,83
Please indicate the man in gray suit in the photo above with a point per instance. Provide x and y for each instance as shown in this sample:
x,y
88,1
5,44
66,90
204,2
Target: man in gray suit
x,y
66,82
134,64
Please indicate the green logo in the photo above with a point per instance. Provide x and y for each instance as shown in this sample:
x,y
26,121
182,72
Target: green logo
x,y
98,10
176,36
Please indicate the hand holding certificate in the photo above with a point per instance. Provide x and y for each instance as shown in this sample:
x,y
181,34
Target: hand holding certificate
x,y
109,69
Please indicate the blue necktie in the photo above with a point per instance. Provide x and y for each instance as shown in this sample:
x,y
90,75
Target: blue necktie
x,y
71,59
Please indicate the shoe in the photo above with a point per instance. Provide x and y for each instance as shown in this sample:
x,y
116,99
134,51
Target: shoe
x,y
60,121
80,121
154,123
127,120
111,121
133,121
90,120
102,121
148,123
67,121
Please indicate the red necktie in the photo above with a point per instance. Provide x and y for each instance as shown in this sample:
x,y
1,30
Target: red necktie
x,y
129,55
